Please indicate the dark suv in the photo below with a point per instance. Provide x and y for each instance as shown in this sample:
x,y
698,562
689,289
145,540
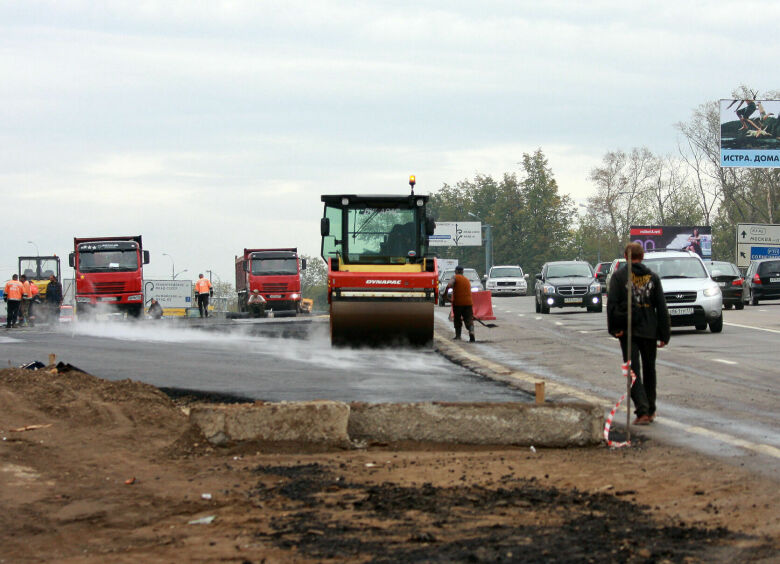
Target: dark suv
x,y
762,281
567,283
730,280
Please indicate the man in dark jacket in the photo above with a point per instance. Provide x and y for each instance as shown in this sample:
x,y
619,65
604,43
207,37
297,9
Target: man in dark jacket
x,y
54,298
649,325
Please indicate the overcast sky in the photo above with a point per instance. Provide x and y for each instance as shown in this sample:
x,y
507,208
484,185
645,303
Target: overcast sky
x,y
208,127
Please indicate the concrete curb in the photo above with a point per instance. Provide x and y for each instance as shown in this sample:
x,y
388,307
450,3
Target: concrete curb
x,y
321,422
336,423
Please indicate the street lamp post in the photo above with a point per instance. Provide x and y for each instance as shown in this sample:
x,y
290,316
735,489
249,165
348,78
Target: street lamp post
x,y
37,252
182,272
488,243
173,267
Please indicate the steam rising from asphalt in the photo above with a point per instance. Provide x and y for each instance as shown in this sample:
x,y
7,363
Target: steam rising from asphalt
x,y
315,350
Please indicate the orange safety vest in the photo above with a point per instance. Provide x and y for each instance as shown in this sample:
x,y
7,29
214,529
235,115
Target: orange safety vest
x,y
202,286
14,290
461,291
26,287
34,289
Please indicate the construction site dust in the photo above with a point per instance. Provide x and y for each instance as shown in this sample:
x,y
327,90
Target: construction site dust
x,y
309,345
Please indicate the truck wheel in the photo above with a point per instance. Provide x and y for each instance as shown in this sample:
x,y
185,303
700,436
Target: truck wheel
x,y
739,305
135,311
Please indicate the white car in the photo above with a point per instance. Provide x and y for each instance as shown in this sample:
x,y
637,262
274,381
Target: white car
x,y
692,296
507,280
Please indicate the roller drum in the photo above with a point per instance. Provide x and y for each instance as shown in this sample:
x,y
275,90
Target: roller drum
x,y
377,323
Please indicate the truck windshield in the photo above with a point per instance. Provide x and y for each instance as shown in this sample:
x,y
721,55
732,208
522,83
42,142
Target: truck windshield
x,y
274,266
108,261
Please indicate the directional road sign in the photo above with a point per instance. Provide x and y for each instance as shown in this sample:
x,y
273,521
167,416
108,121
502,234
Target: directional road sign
x,y
456,234
757,241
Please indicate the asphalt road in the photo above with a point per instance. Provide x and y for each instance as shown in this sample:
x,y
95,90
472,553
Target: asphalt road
x,y
281,364
716,392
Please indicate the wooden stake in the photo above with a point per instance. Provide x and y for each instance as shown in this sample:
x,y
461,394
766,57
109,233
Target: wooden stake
x,y
539,392
52,358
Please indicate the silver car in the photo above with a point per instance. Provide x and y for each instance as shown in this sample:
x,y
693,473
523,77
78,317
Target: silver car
x,y
446,276
692,296
507,280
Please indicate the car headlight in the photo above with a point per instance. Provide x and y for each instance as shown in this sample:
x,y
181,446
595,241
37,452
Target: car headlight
x,y
712,291
135,298
548,289
476,289
82,300
595,288
295,296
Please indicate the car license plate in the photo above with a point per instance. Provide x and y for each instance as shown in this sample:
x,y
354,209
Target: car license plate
x,y
680,311
275,296
774,280
572,300
107,299
723,284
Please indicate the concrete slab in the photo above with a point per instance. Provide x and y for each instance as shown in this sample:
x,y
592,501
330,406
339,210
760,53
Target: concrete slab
x,y
552,425
320,422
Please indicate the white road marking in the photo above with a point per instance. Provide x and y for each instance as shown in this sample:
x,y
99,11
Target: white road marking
x,y
724,361
559,323
539,317
729,439
751,327
523,315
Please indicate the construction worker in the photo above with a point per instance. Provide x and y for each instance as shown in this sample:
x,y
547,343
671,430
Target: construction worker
x,y
256,304
24,310
155,309
12,295
462,303
33,300
54,298
203,290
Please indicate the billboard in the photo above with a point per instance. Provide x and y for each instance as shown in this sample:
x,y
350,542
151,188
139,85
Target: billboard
x,y
750,133
170,293
456,234
694,238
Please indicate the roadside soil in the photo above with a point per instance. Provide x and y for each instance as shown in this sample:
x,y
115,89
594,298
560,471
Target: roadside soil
x,y
97,471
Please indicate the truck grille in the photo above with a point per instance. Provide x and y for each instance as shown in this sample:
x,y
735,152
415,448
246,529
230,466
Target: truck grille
x,y
572,290
502,284
679,297
109,287
275,287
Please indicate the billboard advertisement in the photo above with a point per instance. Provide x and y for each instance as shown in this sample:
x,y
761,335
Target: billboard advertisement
x,y
456,234
684,237
750,133
170,293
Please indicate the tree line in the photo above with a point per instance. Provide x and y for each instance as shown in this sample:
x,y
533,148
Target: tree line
x,y
532,222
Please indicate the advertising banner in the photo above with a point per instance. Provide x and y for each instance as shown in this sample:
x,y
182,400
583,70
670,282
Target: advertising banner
x,y
750,133
170,293
456,234
695,238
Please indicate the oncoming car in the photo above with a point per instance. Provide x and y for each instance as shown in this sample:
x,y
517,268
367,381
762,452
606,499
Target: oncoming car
x,y
692,296
507,280
567,283
446,276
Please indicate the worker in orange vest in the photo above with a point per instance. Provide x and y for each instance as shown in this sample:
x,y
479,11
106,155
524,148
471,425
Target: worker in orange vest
x,y
24,310
203,290
462,303
33,300
12,295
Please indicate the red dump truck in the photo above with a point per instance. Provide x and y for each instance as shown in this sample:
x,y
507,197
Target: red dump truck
x,y
276,273
109,271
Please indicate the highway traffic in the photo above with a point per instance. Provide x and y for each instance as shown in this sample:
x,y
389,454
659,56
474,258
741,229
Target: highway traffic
x,y
716,392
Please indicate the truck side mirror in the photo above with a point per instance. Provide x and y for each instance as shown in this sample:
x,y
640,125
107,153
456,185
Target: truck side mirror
x,y
303,264
430,226
146,257
72,260
325,226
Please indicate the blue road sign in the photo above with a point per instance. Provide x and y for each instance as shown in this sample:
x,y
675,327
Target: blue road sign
x,y
757,253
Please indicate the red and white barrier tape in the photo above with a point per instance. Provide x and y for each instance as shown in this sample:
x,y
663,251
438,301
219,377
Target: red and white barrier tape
x,y
611,415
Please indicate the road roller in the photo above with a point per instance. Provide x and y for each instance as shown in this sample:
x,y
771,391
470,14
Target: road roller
x,y
382,284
